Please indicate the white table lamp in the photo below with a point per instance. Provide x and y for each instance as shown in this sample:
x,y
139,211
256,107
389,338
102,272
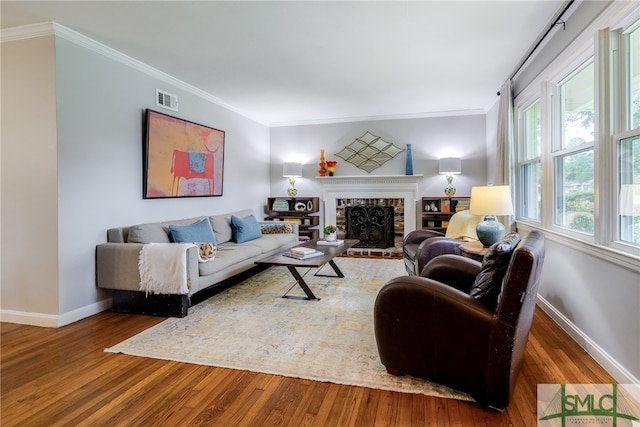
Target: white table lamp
x,y
490,201
450,166
292,171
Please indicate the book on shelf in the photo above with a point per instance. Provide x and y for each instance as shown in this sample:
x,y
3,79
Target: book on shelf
x,y
280,205
302,250
462,205
329,242
298,255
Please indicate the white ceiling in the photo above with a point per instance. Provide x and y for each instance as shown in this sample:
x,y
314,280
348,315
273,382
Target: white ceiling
x,y
286,62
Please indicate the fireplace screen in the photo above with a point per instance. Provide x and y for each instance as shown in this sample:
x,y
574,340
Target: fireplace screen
x,y
372,225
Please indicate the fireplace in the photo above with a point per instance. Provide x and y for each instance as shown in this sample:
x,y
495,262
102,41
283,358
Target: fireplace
x,y
398,191
372,225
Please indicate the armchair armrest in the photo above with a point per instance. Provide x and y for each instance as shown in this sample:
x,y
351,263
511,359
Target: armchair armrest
x,y
417,236
117,266
454,270
434,247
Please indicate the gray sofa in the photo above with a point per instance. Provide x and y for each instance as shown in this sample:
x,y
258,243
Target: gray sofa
x,y
117,262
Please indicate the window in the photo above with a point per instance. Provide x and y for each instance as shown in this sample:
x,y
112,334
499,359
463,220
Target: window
x,y
573,155
578,143
633,78
629,189
530,162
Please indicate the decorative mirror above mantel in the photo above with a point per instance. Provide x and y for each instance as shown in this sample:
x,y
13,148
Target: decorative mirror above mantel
x,y
369,152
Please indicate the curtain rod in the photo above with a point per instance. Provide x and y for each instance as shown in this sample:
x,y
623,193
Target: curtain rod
x,y
554,21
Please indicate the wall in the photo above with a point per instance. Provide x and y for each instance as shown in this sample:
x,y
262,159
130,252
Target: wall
x,y
430,138
29,179
98,116
597,303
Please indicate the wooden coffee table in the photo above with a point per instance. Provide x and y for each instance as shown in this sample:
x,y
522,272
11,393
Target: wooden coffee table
x,y
292,264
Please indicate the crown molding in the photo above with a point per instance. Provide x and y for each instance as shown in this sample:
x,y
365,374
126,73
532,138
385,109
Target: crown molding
x,y
53,28
24,32
424,115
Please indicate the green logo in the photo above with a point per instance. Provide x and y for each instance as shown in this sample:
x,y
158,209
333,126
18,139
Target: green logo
x,y
591,404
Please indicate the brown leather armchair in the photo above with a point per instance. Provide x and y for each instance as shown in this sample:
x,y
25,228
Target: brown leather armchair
x,y
432,327
420,246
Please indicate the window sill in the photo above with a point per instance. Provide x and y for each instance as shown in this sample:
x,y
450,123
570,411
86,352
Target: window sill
x,y
622,259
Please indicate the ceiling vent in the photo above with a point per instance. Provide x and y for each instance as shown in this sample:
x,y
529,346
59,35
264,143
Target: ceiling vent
x,y
166,100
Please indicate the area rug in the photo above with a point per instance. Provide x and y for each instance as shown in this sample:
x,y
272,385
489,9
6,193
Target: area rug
x,y
251,327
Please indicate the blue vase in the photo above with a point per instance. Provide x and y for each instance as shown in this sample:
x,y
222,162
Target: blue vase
x,y
489,231
409,165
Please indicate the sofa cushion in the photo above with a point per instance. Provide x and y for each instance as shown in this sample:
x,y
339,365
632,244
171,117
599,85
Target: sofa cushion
x,y
245,229
229,255
271,242
198,232
276,228
148,233
221,225
488,283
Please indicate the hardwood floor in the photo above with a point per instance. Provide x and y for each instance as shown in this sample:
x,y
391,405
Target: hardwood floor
x,y
63,377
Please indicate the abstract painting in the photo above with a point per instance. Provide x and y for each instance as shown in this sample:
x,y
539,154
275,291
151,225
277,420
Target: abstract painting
x,y
181,158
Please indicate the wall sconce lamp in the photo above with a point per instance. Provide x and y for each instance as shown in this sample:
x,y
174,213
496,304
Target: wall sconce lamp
x,y
450,166
490,201
292,171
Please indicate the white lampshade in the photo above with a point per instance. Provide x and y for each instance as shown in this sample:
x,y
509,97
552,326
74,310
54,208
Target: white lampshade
x,y
450,165
292,170
491,200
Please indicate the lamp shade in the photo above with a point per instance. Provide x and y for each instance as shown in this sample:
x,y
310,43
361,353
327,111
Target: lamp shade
x,y
450,165
491,200
292,170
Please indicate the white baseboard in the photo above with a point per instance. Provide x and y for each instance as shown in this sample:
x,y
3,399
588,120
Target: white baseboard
x,y
54,320
615,369
86,311
28,318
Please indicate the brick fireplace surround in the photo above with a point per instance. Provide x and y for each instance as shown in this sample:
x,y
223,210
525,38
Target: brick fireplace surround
x,y
399,191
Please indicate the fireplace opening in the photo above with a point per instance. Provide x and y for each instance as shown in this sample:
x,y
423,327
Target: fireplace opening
x,y
372,225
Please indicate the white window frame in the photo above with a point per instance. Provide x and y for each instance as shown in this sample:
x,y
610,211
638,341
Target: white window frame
x,y
609,127
521,156
614,223
554,148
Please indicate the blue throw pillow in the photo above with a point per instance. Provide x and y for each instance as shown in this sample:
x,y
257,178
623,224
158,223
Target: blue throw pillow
x,y
245,229
198,232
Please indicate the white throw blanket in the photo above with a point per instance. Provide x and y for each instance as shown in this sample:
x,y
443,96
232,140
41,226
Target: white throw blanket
x,y
462,226
163,268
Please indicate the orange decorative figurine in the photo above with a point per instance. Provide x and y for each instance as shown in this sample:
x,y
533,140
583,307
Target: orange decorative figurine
x,y
322,171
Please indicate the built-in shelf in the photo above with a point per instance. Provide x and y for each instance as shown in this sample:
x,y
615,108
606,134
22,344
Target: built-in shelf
x,y
437,211
301,210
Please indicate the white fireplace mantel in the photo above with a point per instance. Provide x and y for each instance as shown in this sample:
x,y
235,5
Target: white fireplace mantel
x,y
371,187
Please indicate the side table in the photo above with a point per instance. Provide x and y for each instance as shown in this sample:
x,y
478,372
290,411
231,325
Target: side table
x,y
473,249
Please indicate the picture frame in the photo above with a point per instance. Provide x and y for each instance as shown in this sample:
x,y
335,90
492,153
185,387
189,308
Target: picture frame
x,y
181,158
